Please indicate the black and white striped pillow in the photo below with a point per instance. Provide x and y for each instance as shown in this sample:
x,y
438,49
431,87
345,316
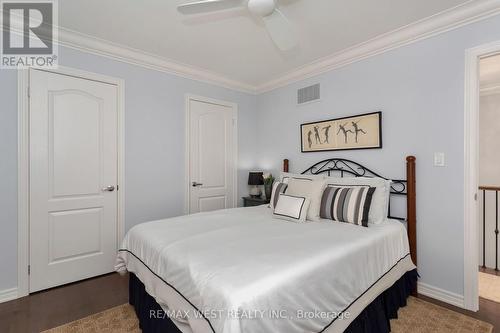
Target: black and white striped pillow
x,y
347,204
277,189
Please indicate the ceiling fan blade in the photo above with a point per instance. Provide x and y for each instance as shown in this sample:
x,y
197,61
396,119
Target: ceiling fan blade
x,y
200,7
281,30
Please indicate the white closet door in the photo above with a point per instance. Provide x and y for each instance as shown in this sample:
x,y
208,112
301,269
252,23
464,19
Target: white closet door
x,y
211,156
73,179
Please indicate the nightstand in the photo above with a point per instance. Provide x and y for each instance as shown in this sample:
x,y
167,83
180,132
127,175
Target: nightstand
x,y
249,201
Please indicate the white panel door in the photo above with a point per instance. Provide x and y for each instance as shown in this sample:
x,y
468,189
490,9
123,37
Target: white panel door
x,y
73,177
211,156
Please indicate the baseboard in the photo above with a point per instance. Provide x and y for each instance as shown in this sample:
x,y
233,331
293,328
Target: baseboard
x,y
8,295
441,295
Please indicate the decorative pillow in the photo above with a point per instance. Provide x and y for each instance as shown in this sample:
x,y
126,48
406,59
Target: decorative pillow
x,y
347,204
312,190
285,177
277,189
380,201
291,208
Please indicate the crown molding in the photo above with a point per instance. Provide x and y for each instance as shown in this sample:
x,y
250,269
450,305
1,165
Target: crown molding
x,y
94,45
456,17
453,18
101,47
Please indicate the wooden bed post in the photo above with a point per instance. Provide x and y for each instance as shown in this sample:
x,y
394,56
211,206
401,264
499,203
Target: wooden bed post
x,y
285,165
411,203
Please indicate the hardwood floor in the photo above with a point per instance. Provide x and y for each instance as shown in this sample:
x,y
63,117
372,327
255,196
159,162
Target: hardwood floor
x,y
57,306
54,307
489,311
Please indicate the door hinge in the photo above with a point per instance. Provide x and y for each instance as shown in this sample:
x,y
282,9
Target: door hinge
x,y
29,92
234,121
29,269
475,197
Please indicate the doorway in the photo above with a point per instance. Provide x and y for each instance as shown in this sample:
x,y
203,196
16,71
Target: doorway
x,y
489,177
472,192
70,178
211,154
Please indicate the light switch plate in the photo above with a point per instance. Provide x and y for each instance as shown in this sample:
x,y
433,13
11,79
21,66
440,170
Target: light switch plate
x,y
439,160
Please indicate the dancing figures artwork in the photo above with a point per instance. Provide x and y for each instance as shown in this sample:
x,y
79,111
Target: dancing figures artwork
x,y
357,132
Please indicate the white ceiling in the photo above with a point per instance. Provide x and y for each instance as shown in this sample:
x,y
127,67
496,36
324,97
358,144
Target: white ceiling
x,y
233,43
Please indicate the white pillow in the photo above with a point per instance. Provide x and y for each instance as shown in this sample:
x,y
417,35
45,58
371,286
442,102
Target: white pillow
x,y
380,200
291,208
312,190
277,189
285,177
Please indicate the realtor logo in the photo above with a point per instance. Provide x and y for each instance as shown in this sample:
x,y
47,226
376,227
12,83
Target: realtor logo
x,y
29,34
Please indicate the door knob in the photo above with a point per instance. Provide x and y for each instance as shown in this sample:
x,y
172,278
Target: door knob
x,y
110,188
195,184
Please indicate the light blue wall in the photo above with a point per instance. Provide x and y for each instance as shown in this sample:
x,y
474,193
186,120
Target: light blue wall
x,y
154,144
420,89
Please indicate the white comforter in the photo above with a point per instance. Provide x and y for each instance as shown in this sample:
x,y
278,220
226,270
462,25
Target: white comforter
x,y
248,272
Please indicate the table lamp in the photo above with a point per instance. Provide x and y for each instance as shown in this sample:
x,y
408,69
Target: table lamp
x,y
255,180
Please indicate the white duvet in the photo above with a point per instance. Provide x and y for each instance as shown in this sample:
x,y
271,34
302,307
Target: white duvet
x,y
245,271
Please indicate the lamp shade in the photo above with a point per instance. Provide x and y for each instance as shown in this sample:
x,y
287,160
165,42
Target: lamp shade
x,y
255,178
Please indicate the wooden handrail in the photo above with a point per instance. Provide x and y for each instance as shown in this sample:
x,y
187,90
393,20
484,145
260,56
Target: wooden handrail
x,y
489,188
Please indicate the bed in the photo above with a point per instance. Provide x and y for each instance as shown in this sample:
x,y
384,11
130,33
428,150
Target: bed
x,y
241,270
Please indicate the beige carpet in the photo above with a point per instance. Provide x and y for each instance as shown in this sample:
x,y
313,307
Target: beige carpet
x,y
489,287
418,317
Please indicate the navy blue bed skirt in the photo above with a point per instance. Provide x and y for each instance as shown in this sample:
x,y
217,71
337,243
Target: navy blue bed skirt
x,y
375,318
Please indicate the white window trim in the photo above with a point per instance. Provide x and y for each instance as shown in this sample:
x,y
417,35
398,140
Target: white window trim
x,y
187,163
471,171
24,158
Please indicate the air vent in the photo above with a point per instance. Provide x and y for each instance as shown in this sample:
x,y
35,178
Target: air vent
x,y
308,94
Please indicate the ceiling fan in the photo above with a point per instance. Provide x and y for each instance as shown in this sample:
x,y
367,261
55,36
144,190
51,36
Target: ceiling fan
x,y
278,26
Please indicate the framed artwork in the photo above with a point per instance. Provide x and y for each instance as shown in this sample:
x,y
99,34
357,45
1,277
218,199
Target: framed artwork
x,y
362,131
